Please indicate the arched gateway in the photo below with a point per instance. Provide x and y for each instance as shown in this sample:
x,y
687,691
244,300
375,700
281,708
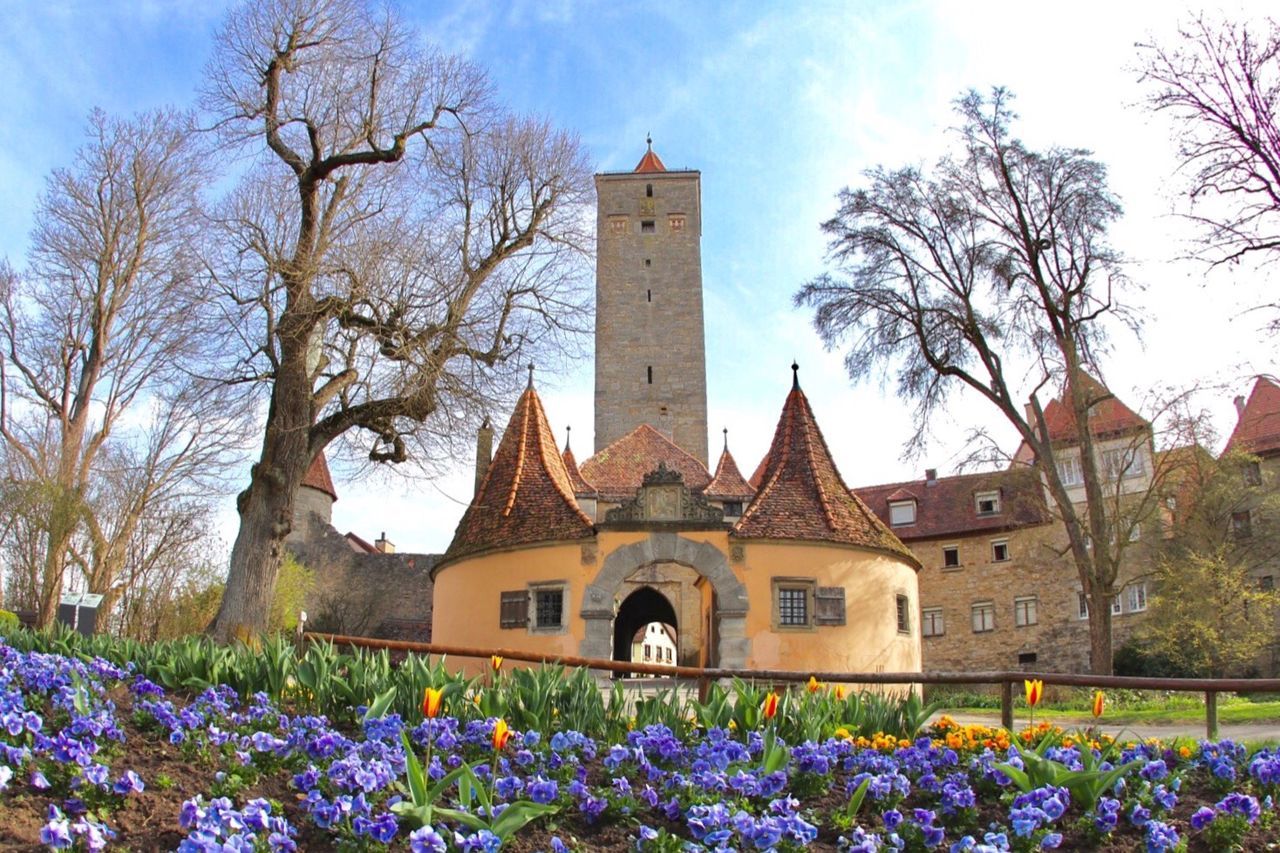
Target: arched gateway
x,y
725,609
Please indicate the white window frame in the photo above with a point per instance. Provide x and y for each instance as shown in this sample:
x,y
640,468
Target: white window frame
x,y
897,518
987,611
982,497
1008,553
1069,470
1137,593
1026,611
957,564
1082,605
1122,463
932,622
1117,605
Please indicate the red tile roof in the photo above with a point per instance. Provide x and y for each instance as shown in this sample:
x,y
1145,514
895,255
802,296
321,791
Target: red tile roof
x,y
317,476
948,507
650,162
1107,416
728,482
618,470
526,496
802,495
1258,429
581,488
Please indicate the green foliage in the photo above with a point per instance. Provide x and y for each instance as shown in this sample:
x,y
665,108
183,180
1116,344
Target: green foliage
x,y
1086,785
8,623
292,585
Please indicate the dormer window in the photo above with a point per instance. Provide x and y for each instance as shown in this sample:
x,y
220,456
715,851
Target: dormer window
x,y
732,509
987,503
902,513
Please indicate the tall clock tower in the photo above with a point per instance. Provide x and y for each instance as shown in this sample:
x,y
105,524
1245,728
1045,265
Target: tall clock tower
x,y
650,349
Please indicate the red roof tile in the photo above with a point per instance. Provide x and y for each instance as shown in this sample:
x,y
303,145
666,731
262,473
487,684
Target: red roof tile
x,y
526,496
1107,416
802,495
317,476
1258,429
581,488
618,470
728,483
650,162
948,507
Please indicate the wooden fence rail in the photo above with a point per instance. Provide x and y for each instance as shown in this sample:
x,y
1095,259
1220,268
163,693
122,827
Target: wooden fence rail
x,y
1005,679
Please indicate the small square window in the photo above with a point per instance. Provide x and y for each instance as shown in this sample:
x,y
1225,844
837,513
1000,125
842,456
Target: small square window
x,y
904,614
984,617
951,556
646,226
1253,474
1267,583
1024,611
793,602
549,608
1000,551
931,622
1026,658
1117,606
902,513
732,509
987,503
1241,525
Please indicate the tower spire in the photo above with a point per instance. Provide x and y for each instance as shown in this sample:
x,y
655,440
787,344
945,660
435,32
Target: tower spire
x,y
530,374
795,376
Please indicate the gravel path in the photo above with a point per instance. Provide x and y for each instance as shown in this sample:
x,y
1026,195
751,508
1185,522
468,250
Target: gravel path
x,y
1164,731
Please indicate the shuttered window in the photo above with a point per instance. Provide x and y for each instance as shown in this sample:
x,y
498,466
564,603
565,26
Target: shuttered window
x,y
828,606
514,611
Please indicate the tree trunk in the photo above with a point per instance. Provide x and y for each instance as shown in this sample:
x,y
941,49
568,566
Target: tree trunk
x,y
266,506
1100,652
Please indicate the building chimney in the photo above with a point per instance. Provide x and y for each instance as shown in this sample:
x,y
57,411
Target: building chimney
x,y
484,451
1239,407
384,545
931,476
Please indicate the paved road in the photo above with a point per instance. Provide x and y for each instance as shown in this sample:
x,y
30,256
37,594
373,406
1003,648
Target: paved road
x,y
1236,731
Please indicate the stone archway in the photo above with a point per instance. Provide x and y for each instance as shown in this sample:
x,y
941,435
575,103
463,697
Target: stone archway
x,y
733,647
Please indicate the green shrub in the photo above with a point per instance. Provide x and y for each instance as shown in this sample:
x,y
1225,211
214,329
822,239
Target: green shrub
x,y
8,623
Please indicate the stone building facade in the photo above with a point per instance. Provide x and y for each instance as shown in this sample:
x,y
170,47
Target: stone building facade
x,y
650,351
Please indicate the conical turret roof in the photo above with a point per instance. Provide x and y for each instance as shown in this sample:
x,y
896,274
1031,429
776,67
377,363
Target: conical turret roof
x,y
650,162
526,496
581,488
318,478
1258,429
801,494
728,482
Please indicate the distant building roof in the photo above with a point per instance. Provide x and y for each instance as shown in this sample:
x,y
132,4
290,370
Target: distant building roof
x,y
801,494
947,506
1108,416
618,470
728,482
526,496
317,476
359,544
1258,427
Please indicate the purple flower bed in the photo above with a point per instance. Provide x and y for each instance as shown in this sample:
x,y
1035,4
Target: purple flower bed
x,y
89,754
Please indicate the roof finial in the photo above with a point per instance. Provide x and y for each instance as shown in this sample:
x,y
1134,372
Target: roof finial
x,y
795,376
567,430
648,140
726,439
531,375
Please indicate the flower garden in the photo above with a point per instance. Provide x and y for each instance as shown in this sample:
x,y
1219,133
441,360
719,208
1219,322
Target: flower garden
x,y
107,745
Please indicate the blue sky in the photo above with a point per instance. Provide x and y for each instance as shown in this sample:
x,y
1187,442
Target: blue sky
x,y
779,105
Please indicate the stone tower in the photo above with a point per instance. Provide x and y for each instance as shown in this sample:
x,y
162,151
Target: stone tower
x,y
650,354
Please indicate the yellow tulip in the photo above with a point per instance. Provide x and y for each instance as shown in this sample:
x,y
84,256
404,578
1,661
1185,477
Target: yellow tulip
x,y
1035,689
1098,702
431,702
814,685
501,734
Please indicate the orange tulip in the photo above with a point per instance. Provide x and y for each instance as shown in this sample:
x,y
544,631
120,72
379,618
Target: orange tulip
x,y
495,662
1035,689
431,702
1098,702
501,734
770,708
814,685
840,692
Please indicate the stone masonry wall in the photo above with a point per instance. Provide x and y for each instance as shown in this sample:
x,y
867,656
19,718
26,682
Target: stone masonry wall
x,y
649,308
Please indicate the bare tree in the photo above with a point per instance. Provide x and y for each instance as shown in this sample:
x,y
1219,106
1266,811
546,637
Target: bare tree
x,y
993,274
397,243
99,333
1221,84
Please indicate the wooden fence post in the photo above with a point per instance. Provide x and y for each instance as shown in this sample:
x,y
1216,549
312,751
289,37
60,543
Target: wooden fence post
x,y
1006,705
1211,714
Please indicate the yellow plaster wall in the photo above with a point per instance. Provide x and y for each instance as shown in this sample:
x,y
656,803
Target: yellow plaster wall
x,y
468,600
869,640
